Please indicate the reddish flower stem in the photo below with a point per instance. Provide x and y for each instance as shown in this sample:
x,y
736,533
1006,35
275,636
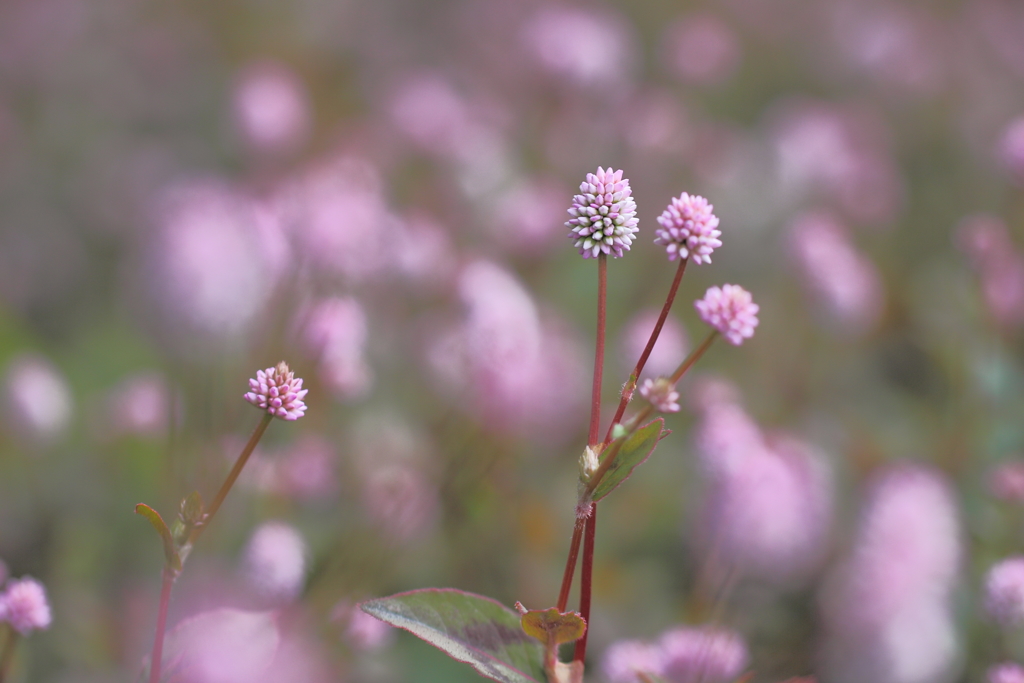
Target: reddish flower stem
x,y
693,357
7,657
634,377
586,581
595,395
156,657
570,563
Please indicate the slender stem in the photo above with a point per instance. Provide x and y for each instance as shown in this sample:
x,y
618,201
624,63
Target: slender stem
x,y
693,357
156,657
570,563
7,657
595,396
634,377
243,457
586,581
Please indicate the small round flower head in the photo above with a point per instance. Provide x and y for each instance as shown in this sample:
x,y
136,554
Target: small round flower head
x,y
661,394
1007,672
730,310
603,215
688,229
24,606
277,391
1004,591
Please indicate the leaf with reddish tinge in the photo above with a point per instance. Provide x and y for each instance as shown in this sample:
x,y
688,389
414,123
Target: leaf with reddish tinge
x,y
470,628
633,452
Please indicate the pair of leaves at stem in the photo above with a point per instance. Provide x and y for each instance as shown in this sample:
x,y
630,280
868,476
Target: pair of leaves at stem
x,y
177,541
632,450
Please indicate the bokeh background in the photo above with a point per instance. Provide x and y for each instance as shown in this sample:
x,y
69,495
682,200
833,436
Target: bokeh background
x,y
376,191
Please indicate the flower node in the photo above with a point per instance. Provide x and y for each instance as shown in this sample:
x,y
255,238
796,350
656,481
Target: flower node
x,y
688,229
730,310
277,391
603,215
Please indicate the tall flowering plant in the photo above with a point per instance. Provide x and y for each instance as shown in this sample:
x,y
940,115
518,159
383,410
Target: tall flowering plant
x,y
521,645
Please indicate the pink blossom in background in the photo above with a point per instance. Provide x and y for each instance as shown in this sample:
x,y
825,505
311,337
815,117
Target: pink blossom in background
x,y
336,332
684,654
844,282
701,49
37,400
271,107
506,364
425,255
401,501
887,607
210,264
1010,149
528,215
583,46
702,655
1006,481
625,658
24,606
339,220
669,351
999,265
657,123
842,156
770,517
140,405
1008,672
224,646
306,470
428,110
1004,592
275,561
725,437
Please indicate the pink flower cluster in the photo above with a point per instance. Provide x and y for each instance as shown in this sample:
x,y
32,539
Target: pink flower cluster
x,y
1004,591
731,310
24,606
689,229
661,394
277,391
681,655
603,215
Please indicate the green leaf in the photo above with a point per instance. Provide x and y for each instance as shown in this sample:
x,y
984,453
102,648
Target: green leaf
x,y
470,628
633,452
170,551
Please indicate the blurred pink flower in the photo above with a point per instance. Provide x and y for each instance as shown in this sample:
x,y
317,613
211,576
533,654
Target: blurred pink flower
x,y
731,310
335,330
845,282
1007,672
424,255
429,111
625,658
583,46
505,364
139,405
37,401
702,655
1000,266
401,500
688,229
362,632
668,352
1004,591
222,646
211,263
702,49
527,215
277,391
271,107
24,606
306,470
1010,150
603,215
886,608
1006,481
275,561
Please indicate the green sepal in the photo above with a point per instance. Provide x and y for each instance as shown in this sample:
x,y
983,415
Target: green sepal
x,y
170,549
